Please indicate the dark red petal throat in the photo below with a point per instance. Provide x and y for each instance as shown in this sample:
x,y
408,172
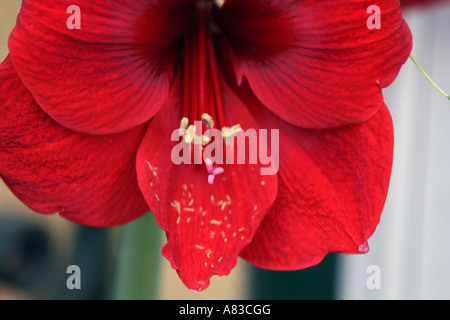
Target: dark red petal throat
x,y
210,210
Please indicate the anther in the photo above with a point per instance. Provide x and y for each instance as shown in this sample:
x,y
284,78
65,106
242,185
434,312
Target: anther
x,y
183,125
228,133
208,120
190,134
236,128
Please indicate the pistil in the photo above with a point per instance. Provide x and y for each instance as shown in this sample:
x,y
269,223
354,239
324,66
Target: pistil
x,y
202,88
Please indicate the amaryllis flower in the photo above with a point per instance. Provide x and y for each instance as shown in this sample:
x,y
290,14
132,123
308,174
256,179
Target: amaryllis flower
x,y
88,116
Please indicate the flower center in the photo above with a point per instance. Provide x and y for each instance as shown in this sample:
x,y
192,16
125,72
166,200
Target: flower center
x,y
202,100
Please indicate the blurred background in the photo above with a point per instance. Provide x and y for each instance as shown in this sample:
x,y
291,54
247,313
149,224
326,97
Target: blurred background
x,y
410,249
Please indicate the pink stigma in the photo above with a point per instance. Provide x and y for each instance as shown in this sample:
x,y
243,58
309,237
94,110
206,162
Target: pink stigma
x,y
212,172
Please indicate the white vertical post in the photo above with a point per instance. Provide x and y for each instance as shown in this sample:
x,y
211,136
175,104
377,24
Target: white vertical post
x,y
411,245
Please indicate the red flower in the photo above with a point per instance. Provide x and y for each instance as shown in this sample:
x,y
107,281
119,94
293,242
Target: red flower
x,y
88,115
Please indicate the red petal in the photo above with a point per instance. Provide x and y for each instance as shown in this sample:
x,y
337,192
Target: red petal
x,y
87,179
314,63
332,185
207,225
108,76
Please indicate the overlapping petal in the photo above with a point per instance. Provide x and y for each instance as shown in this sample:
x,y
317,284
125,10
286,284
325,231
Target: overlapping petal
x,y
207,225
316,64
87,179
332,185
110,75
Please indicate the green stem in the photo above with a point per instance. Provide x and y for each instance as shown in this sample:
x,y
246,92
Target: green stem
x,y
428,77
137,264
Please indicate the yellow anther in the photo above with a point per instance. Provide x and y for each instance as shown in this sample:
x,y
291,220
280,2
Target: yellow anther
x,y
228,133
208,120
236,128
190,134
205,140
191,137
183,125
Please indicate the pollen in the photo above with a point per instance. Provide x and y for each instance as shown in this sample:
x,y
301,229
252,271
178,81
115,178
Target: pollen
x,y
208,120
190,134
153,169
236,128
176,204
228,132
223,203
183,125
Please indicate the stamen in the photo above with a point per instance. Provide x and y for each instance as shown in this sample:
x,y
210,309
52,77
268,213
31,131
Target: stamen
x,y
208,120
202,60
213,66
190,134
188,131
236,128
202,91
228,133
183,125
